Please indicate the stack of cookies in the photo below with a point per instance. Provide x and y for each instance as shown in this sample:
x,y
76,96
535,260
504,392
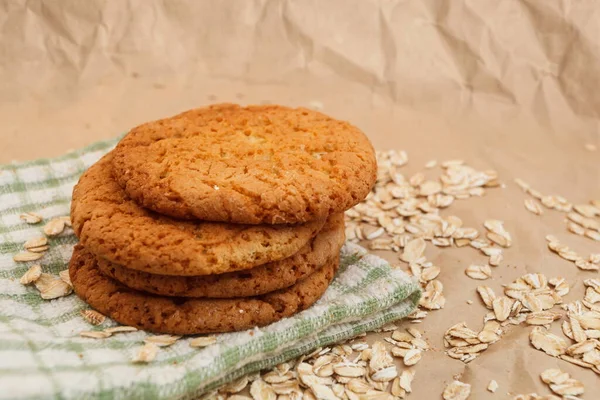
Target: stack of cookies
x,y
218,219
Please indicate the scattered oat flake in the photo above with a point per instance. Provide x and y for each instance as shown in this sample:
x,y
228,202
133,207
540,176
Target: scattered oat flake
x,y
94,334
592,296
500,239
576,331
460,330
492,386
592,357
30,217
39,249
432,298
147,353
536,194
547,342
462,242
441,242
406,379
531,302
44,280
350,370
494,225
541,318
586,265
380,357
575,228
385,375
554,375
316,104
570,387
373,233
395,390
236,386
162,340
495,259
476,348
413,250
402,336
452,163
429,188
457,390
491,251
480,272
54,227
203,341
576,361
35,242
492,326
533,206
502,307
593,283
487,295
588,320
549,201
592,234
430,273
66,219
581,348
399,352
64,275
417,179
592,333
414,332
487,336
431,164
26,256
93,317
120,329
522,184
57,289
479,243
587,210
359,386
32,274
412,357
51,287
321,392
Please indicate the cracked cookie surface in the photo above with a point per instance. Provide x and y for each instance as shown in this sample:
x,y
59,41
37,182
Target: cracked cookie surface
x,y
113,226
185,316
258,164
252,282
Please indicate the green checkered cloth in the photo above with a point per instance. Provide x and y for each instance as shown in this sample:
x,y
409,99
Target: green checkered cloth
x,y
42,355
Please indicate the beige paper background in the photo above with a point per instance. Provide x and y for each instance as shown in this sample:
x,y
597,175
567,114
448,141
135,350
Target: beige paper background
x,y
506,85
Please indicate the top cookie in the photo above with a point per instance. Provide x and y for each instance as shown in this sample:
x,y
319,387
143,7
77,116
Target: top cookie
x,y
251,165
112,226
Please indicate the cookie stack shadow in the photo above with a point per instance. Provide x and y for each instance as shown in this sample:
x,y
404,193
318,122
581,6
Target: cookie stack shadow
x,y
218,219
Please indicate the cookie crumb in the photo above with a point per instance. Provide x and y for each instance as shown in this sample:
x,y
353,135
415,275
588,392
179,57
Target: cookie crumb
x,y
316,105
